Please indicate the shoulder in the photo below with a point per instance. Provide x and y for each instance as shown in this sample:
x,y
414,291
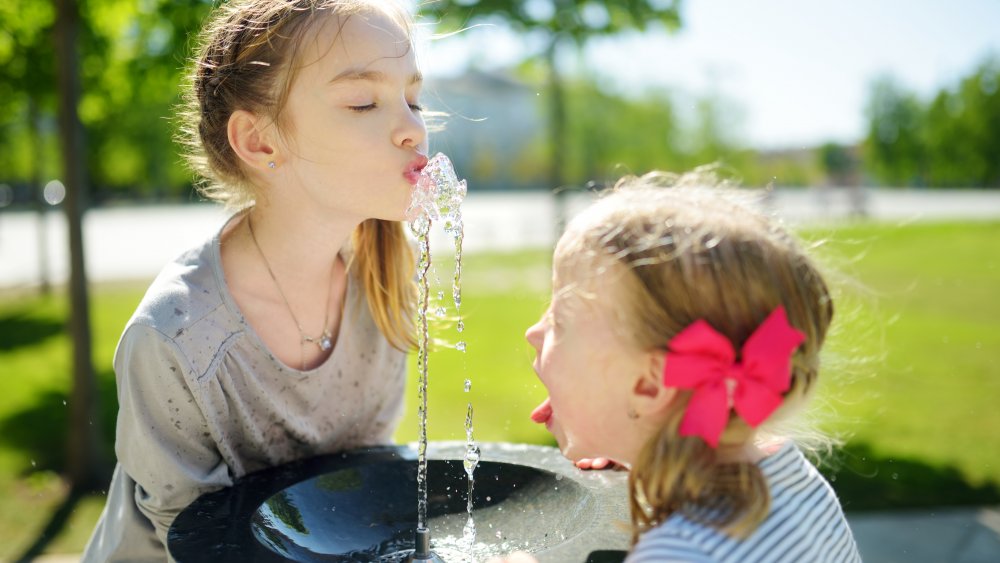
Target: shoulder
x,y
184,312
805,522
789,474
674,540
183,292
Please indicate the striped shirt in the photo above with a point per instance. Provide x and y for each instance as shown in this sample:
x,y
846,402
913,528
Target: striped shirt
x,y
805,523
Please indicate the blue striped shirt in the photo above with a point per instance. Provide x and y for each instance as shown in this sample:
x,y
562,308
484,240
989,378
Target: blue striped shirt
x,y
805,523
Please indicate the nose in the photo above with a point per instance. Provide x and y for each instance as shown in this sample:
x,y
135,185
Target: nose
x,y
410,131
534,335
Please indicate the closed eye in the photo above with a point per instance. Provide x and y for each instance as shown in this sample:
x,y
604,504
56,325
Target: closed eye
x,y
416,107
362,109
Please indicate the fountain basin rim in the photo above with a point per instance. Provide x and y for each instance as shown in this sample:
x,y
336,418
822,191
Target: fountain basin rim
x,y
224,515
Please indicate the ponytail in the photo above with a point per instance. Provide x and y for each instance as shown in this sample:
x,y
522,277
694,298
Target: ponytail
x,y
384,262
675,474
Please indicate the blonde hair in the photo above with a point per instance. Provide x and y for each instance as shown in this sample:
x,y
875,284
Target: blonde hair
x,y
682,248
246,59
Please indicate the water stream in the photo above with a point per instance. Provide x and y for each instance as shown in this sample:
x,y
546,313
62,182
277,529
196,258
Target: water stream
x,y
438,196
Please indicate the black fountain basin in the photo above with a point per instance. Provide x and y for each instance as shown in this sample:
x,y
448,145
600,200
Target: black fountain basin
x,y
361,506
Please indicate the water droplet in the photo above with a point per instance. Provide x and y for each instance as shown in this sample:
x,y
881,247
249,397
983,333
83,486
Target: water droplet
x,y
64,402
460,326
460,346
33,464
488,499
468,385
440,312
895,476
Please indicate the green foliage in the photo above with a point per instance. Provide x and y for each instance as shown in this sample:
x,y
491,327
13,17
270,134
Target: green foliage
x,y
839,163
132,54
895,119
952,141
557,22
577,19
610,134
963,131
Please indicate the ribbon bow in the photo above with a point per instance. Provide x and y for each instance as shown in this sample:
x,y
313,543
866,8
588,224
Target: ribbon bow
x,y
703,360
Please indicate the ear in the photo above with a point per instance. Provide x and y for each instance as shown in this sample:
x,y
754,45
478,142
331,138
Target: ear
x,y
250,141
649,395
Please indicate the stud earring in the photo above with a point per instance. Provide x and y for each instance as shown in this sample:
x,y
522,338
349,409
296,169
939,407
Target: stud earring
x,y
272,165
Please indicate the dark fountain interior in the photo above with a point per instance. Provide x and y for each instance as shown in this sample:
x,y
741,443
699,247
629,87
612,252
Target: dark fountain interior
x,y
362,507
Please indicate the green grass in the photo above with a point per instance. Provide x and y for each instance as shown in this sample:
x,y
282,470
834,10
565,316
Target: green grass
x,y
913,375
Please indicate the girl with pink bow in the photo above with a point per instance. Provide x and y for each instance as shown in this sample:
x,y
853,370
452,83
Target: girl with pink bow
x,y
684,328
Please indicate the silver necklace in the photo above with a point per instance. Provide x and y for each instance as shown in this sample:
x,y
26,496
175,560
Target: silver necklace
x,y
325,340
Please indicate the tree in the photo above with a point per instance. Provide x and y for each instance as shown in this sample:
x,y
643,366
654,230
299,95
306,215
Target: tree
x,y
559,22
130,150
962,131
86,466
27,104
894,146
839,164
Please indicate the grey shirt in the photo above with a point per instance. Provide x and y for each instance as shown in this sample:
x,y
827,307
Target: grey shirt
x,y
203,402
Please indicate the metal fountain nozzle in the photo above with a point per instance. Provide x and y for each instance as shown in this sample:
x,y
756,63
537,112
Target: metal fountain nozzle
x,y
422,550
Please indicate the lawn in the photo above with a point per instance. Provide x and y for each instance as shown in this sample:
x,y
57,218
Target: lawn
x,y
911,376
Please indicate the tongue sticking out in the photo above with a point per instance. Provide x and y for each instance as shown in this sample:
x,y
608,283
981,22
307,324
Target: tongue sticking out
x,y
542,412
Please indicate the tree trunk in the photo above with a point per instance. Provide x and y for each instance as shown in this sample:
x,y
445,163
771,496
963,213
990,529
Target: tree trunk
x,y
85,467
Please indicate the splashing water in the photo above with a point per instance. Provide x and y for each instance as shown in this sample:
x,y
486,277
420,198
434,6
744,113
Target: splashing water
x,y
470,462
437,196
421,227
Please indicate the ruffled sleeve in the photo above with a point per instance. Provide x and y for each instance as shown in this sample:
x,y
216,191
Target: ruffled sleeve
x,y
164,443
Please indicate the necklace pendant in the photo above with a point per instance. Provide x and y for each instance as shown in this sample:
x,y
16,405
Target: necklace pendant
x,y
325,344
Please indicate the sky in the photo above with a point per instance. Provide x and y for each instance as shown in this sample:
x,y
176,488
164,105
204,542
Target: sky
x,y
797,72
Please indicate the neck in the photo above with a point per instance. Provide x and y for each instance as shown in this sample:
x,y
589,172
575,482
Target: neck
x,y
300,241
747,452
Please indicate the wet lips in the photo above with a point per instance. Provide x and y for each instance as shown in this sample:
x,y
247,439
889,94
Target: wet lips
x,y
412,173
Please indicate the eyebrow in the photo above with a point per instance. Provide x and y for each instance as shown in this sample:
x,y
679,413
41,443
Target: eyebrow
x,y
353,74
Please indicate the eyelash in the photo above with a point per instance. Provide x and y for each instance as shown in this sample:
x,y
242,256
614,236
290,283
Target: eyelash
x,y
369,107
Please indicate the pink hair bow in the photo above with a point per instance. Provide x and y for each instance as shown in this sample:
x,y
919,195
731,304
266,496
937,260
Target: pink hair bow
x,y
703,360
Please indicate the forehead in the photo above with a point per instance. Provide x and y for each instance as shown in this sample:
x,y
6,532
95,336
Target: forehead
x,y
581,279
357,43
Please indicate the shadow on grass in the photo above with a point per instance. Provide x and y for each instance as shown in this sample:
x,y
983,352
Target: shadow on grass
x,y
40,430
20,328
868,481
52,528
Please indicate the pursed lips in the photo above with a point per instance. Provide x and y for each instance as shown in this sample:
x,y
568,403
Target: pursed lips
x,y
412,172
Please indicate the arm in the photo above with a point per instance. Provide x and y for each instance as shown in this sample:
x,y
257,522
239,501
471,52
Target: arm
x,y
163,441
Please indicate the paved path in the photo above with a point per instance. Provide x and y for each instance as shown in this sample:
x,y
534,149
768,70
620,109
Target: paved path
x,y
966,535
135,242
